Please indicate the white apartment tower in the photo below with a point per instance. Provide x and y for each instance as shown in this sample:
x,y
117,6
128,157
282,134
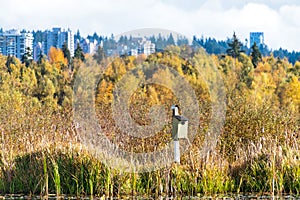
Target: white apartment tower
x,y
149,48
26,41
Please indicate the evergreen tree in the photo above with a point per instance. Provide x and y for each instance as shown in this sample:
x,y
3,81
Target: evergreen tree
x,y
66,52
27,57
264,50
41,58
195,43
79,53
159,43
77,36
255,55
153,39
182,41
213,47
234,49
121,40
110,43
170,40
96,36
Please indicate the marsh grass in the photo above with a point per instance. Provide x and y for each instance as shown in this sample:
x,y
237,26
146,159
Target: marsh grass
x,y
267,164
273,171
56,177
46,177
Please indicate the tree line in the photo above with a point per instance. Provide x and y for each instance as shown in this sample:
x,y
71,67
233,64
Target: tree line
x,y
211,45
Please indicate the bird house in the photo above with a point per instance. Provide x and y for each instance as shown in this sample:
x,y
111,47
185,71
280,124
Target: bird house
x,y
179,125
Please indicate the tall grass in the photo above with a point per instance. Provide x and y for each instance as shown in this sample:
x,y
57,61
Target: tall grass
x,y
85,175
266,164
56,178
46,177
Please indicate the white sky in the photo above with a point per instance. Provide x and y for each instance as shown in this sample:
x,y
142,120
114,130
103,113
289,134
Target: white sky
x,y
278,19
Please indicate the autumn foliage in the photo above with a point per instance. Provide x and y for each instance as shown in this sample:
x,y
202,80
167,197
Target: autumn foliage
x,y
56,57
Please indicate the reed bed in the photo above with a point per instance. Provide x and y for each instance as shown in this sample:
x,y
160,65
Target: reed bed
x,y
266,166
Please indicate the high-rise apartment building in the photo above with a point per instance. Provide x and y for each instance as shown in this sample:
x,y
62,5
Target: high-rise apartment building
x,y
56,38
149,47
16,43
87,46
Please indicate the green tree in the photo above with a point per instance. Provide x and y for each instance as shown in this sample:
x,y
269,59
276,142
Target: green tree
x,y
79,53
77,36
27,57
170,40
234,49
96,36
41,57
160,43
255,55
66,52
182,41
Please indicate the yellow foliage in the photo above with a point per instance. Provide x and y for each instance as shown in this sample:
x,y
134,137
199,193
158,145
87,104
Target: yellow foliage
x,y
116,69
153,95
264,67
104,94
56,57
159,55
293,92
263,88
130,62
